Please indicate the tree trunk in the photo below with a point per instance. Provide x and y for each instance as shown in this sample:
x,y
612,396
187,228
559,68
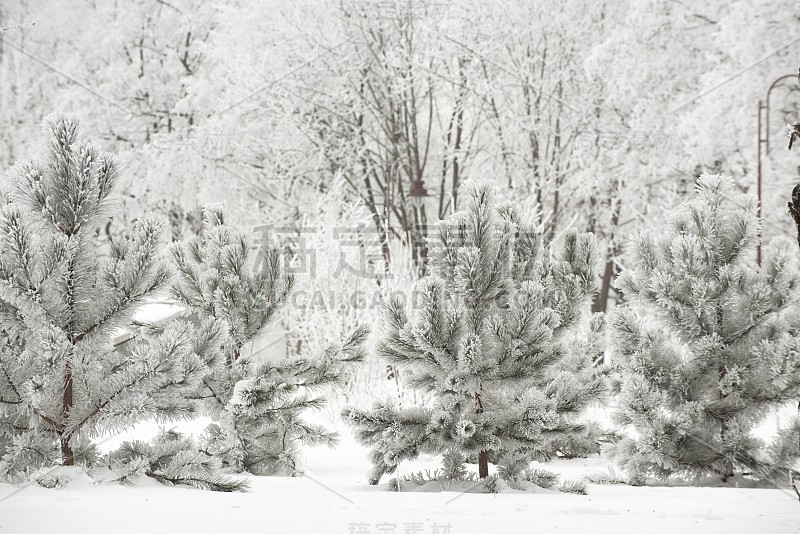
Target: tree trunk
x,y
483,456
483,464
600,303
727,470
67,456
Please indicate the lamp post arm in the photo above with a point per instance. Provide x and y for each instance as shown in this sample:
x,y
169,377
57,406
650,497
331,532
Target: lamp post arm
x,y
769,92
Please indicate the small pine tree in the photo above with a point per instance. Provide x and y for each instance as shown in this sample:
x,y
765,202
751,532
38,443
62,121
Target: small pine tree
x,y
257,406
721,351
486,340
62,380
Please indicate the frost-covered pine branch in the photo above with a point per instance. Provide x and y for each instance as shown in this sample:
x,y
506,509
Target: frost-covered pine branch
x,y
172,459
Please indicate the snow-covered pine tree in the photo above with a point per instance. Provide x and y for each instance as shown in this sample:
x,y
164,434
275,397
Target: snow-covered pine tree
x,y
257,405
485,341
721,350
62,380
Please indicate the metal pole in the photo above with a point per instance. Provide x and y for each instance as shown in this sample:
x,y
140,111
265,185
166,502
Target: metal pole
x,y
758,186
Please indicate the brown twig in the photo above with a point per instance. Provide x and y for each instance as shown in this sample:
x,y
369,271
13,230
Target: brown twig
x,y
794,132
794,209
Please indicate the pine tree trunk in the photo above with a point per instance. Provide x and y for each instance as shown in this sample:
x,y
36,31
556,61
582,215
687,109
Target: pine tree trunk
x,y
727,470
67,456
727,463
483,456
483,464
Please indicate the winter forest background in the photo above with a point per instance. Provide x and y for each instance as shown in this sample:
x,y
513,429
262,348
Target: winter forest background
x,y
221,252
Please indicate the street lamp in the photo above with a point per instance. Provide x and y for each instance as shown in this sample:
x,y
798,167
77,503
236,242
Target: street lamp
x,y
417,193
763,139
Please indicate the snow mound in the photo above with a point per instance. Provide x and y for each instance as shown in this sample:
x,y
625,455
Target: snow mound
x,y
61,476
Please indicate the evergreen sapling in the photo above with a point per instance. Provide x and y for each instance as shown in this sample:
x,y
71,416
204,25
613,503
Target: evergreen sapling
x,y
486,341
718,348
257,405
63,383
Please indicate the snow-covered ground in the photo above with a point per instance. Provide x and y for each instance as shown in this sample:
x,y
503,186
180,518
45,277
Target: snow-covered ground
x,y
335,498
